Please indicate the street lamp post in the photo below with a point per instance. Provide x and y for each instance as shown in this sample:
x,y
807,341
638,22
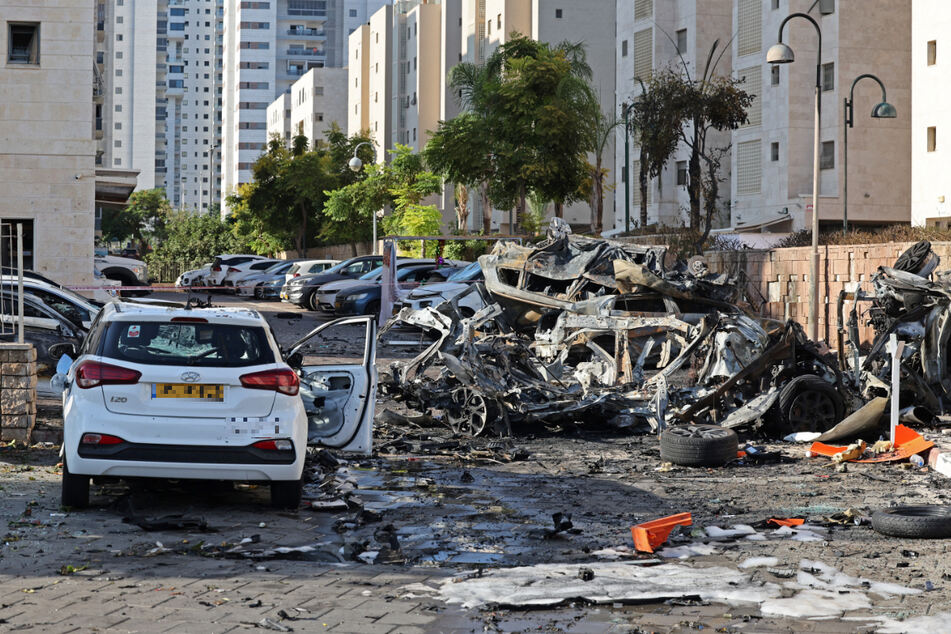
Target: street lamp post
x,y
356,165
627,167
780,53
883,110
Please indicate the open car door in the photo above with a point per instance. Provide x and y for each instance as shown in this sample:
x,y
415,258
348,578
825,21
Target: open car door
x,y
339,395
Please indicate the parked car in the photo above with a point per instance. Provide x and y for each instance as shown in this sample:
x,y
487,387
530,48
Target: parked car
x,y
195,277
72,306
309,267
300,290
239,271
206,394
439,292
249,284
325,297
129,253
43,327
270,289
221,264
364,299
126,270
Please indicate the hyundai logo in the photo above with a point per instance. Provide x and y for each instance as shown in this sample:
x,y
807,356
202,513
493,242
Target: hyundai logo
x,y
190,377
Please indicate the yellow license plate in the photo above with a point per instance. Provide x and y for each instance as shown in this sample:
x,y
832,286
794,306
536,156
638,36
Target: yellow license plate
x,y
204,392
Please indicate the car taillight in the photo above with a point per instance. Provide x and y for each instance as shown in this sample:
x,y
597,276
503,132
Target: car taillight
x,y
296,274
284,381
281,444
92,373
100,439
234,270
216,269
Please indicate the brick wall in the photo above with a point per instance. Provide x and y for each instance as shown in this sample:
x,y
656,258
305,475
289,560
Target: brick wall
x,y
782,277
17,391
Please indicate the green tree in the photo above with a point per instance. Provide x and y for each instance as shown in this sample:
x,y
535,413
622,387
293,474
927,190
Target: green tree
x,y
522,126
401,184
598,131
193,240
143,220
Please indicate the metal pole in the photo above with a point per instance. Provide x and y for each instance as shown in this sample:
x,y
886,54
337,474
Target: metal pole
x,y
19,282
814,270
845,169
374,233
627,169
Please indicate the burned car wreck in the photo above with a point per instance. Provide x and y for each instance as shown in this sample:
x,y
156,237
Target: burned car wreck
x,y
576,330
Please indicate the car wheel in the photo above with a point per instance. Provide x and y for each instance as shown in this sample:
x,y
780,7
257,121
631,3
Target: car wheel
x,y
698,445
806,403
311,302
75,489
258,293
286,494
923,522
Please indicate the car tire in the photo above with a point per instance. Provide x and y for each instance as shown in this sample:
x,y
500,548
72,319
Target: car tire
x,y
698,445
807,403
75,489
286,494
311,302
920,522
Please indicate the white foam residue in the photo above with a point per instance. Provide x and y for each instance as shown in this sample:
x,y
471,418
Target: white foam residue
x,y
552,584
758,562
815,603
685,552
734,531
934,623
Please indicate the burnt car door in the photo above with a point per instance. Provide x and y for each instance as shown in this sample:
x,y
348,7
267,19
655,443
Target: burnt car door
x,y
338,382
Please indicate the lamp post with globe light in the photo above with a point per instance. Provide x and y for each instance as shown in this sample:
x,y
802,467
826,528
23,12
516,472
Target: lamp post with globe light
x,y
780,53
883,110
356,164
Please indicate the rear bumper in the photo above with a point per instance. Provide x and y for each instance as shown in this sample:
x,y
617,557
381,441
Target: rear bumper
x,y
188,454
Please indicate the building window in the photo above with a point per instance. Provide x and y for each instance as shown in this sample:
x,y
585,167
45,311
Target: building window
x,y
752,78
8,252
118,72
118,37
557,16
488,25
682,41
119,19
775,4
681,173
749,34
118,55
932,52
623,48
774,75
828,76
24,43
774,151
932,138
643,53
118,143
827,157
353,13
643,9
117,162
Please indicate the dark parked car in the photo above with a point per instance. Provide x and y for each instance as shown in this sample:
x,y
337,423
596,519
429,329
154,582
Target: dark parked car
x,y
43,326
365,299
300,290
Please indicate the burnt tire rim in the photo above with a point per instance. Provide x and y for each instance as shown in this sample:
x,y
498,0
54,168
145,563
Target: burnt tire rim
x,y
812,410
699,431
469,413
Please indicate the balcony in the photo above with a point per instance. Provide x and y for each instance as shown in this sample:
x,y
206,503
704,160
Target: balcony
x,y
308,52
307,32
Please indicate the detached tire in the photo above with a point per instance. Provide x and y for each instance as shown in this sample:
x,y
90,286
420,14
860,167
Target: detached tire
x,y
808,403
698,445
286,494
75,489
919,522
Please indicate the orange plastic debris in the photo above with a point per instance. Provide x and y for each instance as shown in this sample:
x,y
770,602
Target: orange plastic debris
x,y
650,535
908,442
786,521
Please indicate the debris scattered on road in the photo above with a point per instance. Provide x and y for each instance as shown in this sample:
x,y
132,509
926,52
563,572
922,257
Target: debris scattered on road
x,y
649,536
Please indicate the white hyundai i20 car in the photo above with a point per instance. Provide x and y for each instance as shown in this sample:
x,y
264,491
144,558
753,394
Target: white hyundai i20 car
x,y
188,393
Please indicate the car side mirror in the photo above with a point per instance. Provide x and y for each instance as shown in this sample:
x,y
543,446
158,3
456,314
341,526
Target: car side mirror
x,y
57,350
295,360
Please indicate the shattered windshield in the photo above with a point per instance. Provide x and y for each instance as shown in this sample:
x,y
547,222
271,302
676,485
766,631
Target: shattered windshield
x,y
198,344
467,274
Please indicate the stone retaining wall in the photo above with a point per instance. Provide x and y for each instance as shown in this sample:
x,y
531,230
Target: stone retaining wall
x,y
17,392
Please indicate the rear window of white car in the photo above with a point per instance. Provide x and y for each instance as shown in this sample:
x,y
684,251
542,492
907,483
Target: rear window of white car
x,y
186,343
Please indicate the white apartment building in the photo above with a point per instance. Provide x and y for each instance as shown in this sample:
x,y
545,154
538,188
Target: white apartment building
x,y
268,45
653,35
316,101
279,118
773,155
192,112
931,113
358,84
47,145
